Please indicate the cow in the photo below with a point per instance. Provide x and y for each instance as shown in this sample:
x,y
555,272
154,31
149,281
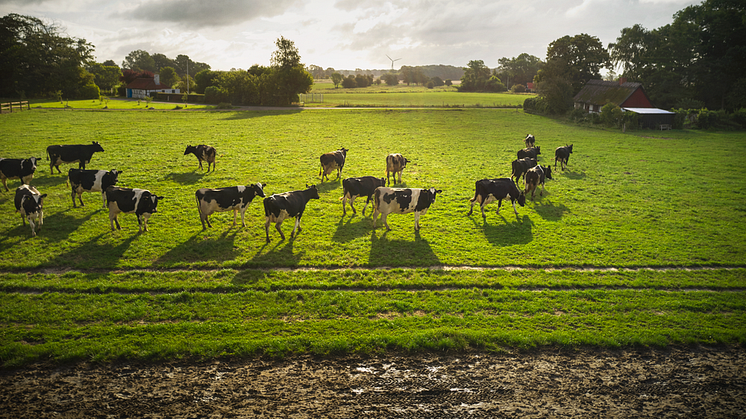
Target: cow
x,y
203,153
126,200
359,186
563,155
81,153
529,140
279,207
395,163
490,190
530,152
536,176
521,166
402,201
22,169
331,161
30,203
91,181
236,198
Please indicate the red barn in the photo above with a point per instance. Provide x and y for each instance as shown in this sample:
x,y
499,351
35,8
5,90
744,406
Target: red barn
x,y
597,93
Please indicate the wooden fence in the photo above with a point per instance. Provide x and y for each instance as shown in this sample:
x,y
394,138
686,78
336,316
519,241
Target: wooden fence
x,y
8,107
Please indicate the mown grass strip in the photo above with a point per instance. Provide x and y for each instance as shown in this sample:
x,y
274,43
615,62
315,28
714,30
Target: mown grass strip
x,y
229,280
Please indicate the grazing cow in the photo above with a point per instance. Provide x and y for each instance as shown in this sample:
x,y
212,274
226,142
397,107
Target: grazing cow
x,y
81,153
530,152
359,186
203,153
126,200
490,190
395,163
29,202
529,140
563,155
402,201
331,161
22,169
279,207
236,198
91,181
536,176
521,166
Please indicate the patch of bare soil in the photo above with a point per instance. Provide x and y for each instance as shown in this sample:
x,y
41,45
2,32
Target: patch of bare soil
x,y
677,382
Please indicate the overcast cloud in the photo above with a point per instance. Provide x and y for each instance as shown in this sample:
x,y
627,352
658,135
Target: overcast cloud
x,y
346,34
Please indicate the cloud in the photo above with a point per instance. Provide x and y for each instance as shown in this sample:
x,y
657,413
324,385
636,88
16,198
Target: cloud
x,y
210,13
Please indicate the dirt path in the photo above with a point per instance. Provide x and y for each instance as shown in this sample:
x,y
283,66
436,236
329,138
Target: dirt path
x,y
677,382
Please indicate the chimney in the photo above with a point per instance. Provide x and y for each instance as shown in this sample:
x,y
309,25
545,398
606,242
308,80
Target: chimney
x,y
157,79
621,80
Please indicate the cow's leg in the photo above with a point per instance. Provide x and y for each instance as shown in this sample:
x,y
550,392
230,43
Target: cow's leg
x,y
352,205
80,198
400,172
145,222
72,195
385,222
112,220
203,218
277,226
103,196
541,192
296,227
266,228
375,215
5,183
388,181
139,223
499,203
41,219
58,168
33,227
417,220
243,213
23,219
513,202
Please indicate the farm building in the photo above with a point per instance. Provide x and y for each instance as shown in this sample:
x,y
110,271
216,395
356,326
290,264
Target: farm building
x,y
653,118
144,86
597,93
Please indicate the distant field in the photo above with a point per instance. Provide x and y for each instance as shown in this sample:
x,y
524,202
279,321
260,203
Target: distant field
x,y
639,242
113,104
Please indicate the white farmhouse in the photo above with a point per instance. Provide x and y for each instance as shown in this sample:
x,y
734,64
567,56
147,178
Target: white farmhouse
x,y
144,86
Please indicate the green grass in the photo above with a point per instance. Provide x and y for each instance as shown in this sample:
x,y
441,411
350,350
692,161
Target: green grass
x,y
114,104
79,291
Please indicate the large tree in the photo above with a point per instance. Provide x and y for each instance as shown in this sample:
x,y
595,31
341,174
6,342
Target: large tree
x,y
575,59
139,60
36,59
518,70
106,77
475,78
290,77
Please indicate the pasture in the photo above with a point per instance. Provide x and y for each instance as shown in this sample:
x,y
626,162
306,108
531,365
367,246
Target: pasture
x,y
639,242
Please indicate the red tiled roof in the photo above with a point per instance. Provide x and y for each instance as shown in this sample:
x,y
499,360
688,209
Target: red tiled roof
x,y
146,83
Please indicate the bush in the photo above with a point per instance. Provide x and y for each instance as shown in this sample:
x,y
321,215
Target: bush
x,y
687,103
430,85
89,91
739,117
349,82
578,114
224,105
518,88
706,119
535,105
611,115
214,94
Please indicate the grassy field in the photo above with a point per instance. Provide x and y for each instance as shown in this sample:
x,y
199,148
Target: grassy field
x,y
637,200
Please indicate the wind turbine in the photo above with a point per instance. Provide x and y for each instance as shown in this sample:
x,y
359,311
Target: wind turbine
x,y
392,61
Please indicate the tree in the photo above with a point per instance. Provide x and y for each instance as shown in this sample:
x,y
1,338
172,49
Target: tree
x,y
161,61
169,77
518,70
349,82
290,77
475,77
286,56
336,79
576,59
205,79
106,77
391,79
110,63
139,60
36,60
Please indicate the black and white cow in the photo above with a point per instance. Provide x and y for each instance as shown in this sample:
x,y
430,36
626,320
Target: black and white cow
x,y
535,177
81,153
22,169
126,200
530,152
402,201
279,207
236,198
563,155
30,203
359,186
529,140
490,190
203,153
395,163
91,181
331,161
521,166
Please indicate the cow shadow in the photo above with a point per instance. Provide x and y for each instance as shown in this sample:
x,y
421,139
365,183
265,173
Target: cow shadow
x,y
416,252
188,178
548,210
570,174
200,247
94,253
61,224
329,185
250,112
277,253
49,181
355,226
506,232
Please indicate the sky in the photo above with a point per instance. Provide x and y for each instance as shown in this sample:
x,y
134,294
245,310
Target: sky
x,y
342,34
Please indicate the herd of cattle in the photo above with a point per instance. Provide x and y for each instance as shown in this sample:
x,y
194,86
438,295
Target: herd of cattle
x,y
278,207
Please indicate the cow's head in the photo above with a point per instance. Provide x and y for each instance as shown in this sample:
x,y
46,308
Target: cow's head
x,y
29,165
379,182
547,171
114,176
32,203
258,189
96,146
343,150
569,148
538,150
190,149
434,192
521,199
154,203
314,191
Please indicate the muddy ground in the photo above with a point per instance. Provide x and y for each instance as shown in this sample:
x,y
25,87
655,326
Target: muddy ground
x,y
676,382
